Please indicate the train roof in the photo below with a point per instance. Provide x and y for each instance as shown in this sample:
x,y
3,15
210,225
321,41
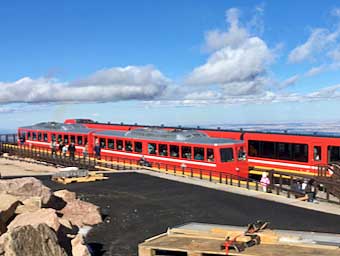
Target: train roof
x,y
59,127
288,131
176,135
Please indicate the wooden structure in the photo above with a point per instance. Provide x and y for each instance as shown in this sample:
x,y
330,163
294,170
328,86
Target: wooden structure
x,y
197,239
91,176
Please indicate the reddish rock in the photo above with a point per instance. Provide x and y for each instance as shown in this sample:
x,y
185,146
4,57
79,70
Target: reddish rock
x,y
28,240
66,195
79,247
47,216
25,188
81,213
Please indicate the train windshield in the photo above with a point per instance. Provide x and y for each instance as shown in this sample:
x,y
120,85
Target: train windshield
x,y
227,155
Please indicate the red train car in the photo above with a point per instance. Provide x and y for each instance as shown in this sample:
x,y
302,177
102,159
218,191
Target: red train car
x,y
292,153
184,149
42,134
299,153
181,148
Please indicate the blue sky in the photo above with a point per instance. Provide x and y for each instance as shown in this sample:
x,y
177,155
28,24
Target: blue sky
x,y
171,62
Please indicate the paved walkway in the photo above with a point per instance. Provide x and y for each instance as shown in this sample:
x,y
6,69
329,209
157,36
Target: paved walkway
x,y
320,206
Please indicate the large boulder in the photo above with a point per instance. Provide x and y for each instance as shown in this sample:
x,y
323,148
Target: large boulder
x,y
28,240
46,216
81,213
8,205
31,204
66,195
25,188
79,247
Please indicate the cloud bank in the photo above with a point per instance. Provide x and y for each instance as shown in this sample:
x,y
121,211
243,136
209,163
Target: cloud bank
x,y
114,84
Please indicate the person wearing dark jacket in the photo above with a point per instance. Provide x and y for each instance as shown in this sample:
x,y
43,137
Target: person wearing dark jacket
x,y
72,150
97,150
311,190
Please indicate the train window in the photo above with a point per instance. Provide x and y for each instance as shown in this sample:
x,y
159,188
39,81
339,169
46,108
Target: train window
x,y
278,150
29,135
138,147
128,146
241,154
317,153
333,153
174,150
268,149
53,137
102,142
152,148
300,152
39,136
73,139
60,138
34,136
120,145
186,152
210,155
66,139
284,151
199,153
227,155
163,149
80,140
45,137
253,148
111,143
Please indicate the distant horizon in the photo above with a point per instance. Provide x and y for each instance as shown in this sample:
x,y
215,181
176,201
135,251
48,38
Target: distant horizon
x,y
265,126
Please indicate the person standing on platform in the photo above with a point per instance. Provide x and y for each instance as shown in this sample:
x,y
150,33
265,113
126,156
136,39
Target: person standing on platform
x,y
86,150
54,148
97,150
72,150
265,182
64,150
311,190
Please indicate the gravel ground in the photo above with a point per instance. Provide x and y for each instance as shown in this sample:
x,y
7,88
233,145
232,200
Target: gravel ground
x,y
140,206
12,167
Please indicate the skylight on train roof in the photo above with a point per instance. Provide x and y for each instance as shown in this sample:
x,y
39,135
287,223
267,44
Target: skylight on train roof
x,y
176,134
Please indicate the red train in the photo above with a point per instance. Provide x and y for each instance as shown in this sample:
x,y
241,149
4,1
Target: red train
x,y
299,153
176,148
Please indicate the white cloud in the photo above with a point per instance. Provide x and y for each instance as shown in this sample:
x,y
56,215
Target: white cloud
x,y
335,54
315,71
325,93
289,81
4,110
319,39
115,84
336,12
216,39
239,61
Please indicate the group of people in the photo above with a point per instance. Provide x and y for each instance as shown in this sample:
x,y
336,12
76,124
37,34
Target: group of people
x,y
307,188
63,148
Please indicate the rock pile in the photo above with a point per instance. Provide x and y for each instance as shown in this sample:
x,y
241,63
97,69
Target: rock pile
x,y
35,221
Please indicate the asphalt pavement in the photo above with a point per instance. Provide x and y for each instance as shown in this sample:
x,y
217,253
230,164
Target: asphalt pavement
x,y
140,206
